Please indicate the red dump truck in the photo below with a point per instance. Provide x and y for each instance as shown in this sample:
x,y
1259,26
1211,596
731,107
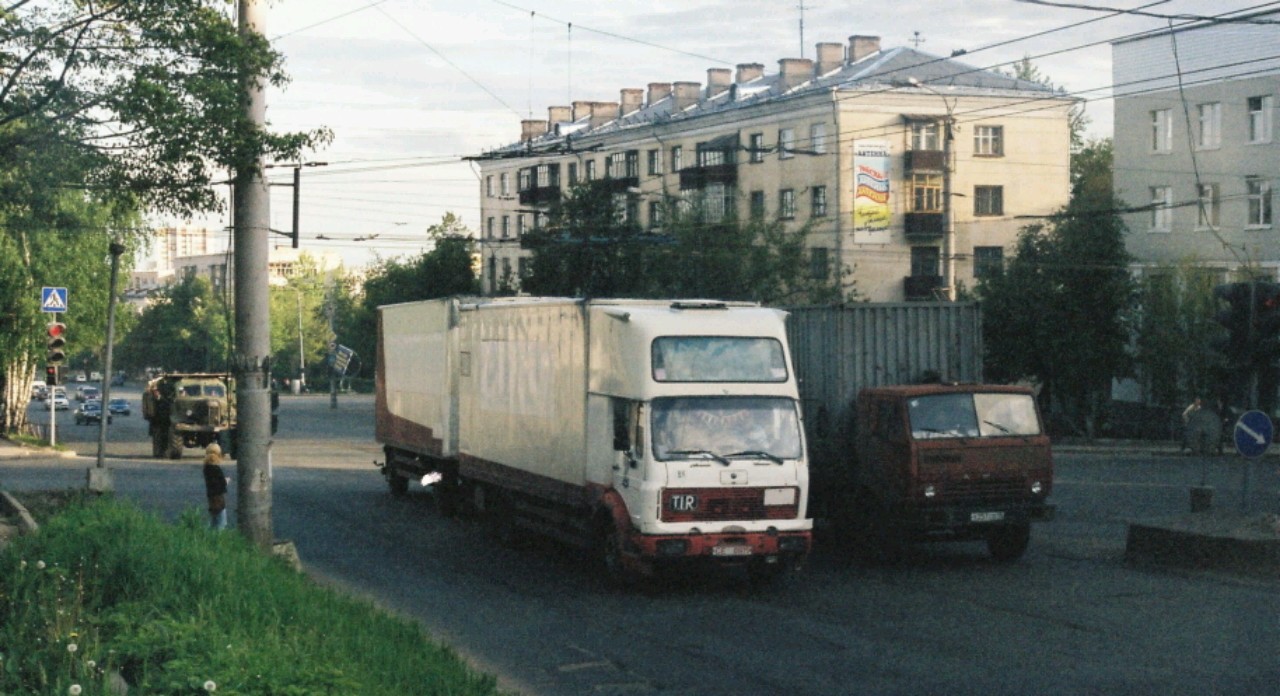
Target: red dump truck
x,y
653,433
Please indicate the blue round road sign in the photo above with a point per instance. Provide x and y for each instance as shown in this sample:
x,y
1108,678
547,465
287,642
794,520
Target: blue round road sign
x,y
1253,433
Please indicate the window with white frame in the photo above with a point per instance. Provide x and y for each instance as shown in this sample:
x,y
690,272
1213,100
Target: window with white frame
x,y
1258,193
755,147
677,158
573,173
489,227
988,200
1260,119
924,135
787,204
655,214
988,141
590,170
488,186
1161,208
506,226
504,184
818,138
655,162
1209,119
786,143
717,202
818,196
926,193
519,224
1207,207
1162,130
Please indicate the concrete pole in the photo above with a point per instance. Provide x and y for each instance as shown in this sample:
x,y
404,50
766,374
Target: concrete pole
x,y
99,479
948,213
251,363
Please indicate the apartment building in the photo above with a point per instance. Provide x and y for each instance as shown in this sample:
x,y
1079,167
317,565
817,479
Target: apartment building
x,y
851,146
1195,145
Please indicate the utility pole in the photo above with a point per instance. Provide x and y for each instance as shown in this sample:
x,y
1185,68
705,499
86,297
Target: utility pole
x,y
99,478
251,363
297,191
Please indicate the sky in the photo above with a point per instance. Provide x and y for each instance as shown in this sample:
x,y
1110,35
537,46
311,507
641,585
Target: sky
x,y
412,87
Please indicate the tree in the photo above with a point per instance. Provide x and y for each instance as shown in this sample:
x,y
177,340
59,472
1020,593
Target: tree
x,y
589,249
1176,330
185,329
1077,119
1060,311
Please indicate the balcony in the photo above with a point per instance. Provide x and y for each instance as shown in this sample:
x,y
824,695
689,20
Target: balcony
x,y
922,287
924,226
540,195
700,177
923,161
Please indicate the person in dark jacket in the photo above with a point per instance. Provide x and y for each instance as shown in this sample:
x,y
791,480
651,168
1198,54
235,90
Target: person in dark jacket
x,y
215,486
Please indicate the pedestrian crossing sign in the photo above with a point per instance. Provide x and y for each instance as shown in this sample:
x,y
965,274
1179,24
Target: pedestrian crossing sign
x,y
53,299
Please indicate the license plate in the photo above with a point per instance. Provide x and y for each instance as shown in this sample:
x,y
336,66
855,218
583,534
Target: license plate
x,y
986,516
731,550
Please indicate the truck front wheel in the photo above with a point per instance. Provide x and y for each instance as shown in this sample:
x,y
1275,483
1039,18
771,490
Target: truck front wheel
x,y
1008,542
398,484
609,551
175,445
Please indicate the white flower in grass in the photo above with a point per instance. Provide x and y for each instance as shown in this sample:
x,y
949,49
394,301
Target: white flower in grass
x,y
210,686
40,565
91,664
72,647
74,690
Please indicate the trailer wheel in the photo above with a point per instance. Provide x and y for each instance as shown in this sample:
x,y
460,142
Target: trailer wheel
x,y
398,484
1008,542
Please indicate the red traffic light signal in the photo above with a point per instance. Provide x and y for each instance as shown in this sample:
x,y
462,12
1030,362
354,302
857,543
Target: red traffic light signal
x,y
57,332
51,375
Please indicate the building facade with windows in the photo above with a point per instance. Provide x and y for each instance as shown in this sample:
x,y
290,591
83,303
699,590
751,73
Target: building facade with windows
x,y
1196,152
851,146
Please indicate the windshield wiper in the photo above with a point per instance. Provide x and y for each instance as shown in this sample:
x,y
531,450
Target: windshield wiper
x,y
757,453
1001,428
703,453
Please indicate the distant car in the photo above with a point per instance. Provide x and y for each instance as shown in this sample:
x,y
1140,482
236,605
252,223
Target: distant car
x,y
57,401
95,376
90,412
80,377
119,407
87,394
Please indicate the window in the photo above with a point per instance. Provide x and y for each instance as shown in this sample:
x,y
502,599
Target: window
x,y
786,143
926,193
988,141
787,204
655,162
818,196
1259,196
506,226
924,135
631,210
591,170
677,158
710,156
1161,208
819,268
717,359
717,202
612,165
925,261
1260,119
988,200
547,176
489,227
488,186
1207,207
522,267
524,179
631,160
655,214
1162,130
505,184
1210,121
988,261
755,145
573,173
818,138
519,224
757,205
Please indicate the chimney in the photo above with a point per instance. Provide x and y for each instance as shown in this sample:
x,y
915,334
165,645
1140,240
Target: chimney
x,y
830,57
658,91
631,100
531,129
581,110
559,114
748,72
793,72
718,80
603,112
862,46
686,94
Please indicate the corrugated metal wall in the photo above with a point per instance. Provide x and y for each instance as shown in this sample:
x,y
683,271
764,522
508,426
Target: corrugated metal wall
x,y
839,350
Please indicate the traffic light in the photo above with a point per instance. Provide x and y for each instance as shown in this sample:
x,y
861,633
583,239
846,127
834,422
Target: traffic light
x,y
57,343
1266,323
51,375
1237,318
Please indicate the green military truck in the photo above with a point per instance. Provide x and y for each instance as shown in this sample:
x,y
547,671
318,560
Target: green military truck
x,y
190,410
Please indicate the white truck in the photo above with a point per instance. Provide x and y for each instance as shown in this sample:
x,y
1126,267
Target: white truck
x,y
653,433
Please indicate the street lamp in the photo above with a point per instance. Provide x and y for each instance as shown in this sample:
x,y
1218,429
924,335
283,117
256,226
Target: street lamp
x,y
948,217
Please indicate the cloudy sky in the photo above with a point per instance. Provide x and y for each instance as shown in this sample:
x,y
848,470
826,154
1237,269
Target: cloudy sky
x,y
409,87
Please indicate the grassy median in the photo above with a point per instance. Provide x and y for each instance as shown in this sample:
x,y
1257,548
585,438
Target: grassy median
x,y
106,595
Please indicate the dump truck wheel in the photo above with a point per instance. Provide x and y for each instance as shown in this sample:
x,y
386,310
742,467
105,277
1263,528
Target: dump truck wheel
x,y
398,484
1009,542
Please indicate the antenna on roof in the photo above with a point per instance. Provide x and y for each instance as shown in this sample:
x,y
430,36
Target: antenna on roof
x,y
802,7
917,40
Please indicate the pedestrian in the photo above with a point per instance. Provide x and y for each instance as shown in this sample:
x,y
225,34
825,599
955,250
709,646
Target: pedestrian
x,y
215,486
1187,413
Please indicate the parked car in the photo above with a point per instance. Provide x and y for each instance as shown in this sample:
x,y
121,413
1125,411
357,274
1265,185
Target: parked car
x,y
87,394
119,407
95,376
90,412
57,401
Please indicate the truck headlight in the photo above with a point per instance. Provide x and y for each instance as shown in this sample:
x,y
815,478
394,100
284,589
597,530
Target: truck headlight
x,y
1037,487
930,491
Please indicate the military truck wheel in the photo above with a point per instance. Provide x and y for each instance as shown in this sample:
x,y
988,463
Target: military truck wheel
x,y
174,450
158,444
1008,542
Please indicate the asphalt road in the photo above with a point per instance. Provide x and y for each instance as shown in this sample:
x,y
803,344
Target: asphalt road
x,y
1071,617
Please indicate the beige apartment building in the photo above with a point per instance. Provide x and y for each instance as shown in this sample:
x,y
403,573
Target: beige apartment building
x,y
1195,144
852,144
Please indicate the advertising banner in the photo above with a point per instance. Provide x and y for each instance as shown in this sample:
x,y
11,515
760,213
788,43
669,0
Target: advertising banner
x,y
871,192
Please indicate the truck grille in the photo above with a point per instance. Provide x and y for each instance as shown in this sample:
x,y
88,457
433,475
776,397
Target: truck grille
x,y
984,490
204,412
723,505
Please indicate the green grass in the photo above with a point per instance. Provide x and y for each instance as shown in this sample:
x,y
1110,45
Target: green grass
x,y
106,592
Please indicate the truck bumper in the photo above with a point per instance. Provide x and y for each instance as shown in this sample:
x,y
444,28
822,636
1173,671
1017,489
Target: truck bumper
x,y
972,519
729,548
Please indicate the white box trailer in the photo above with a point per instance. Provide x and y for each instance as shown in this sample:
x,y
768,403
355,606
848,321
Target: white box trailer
x,y
654,432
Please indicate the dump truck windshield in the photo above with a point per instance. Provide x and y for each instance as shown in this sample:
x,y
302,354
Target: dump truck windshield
x,y
990,414
718,359
755,427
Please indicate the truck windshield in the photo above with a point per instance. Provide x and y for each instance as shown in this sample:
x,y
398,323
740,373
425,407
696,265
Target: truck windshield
x,y
766,428
718,359
990,414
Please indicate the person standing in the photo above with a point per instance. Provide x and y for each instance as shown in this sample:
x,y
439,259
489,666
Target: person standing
x,y
215,486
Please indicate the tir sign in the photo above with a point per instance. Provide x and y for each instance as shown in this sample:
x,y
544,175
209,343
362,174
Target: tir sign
x,y
57,332
683,503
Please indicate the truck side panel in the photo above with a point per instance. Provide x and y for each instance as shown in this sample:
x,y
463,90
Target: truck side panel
x,y
415,382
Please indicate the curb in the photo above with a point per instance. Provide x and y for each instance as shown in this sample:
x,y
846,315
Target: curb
x,y
1176,543
26,523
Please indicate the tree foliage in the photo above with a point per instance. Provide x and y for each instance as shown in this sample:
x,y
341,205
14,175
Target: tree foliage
x,y
1176,330
589,249
1060,311
1077,119
186,328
